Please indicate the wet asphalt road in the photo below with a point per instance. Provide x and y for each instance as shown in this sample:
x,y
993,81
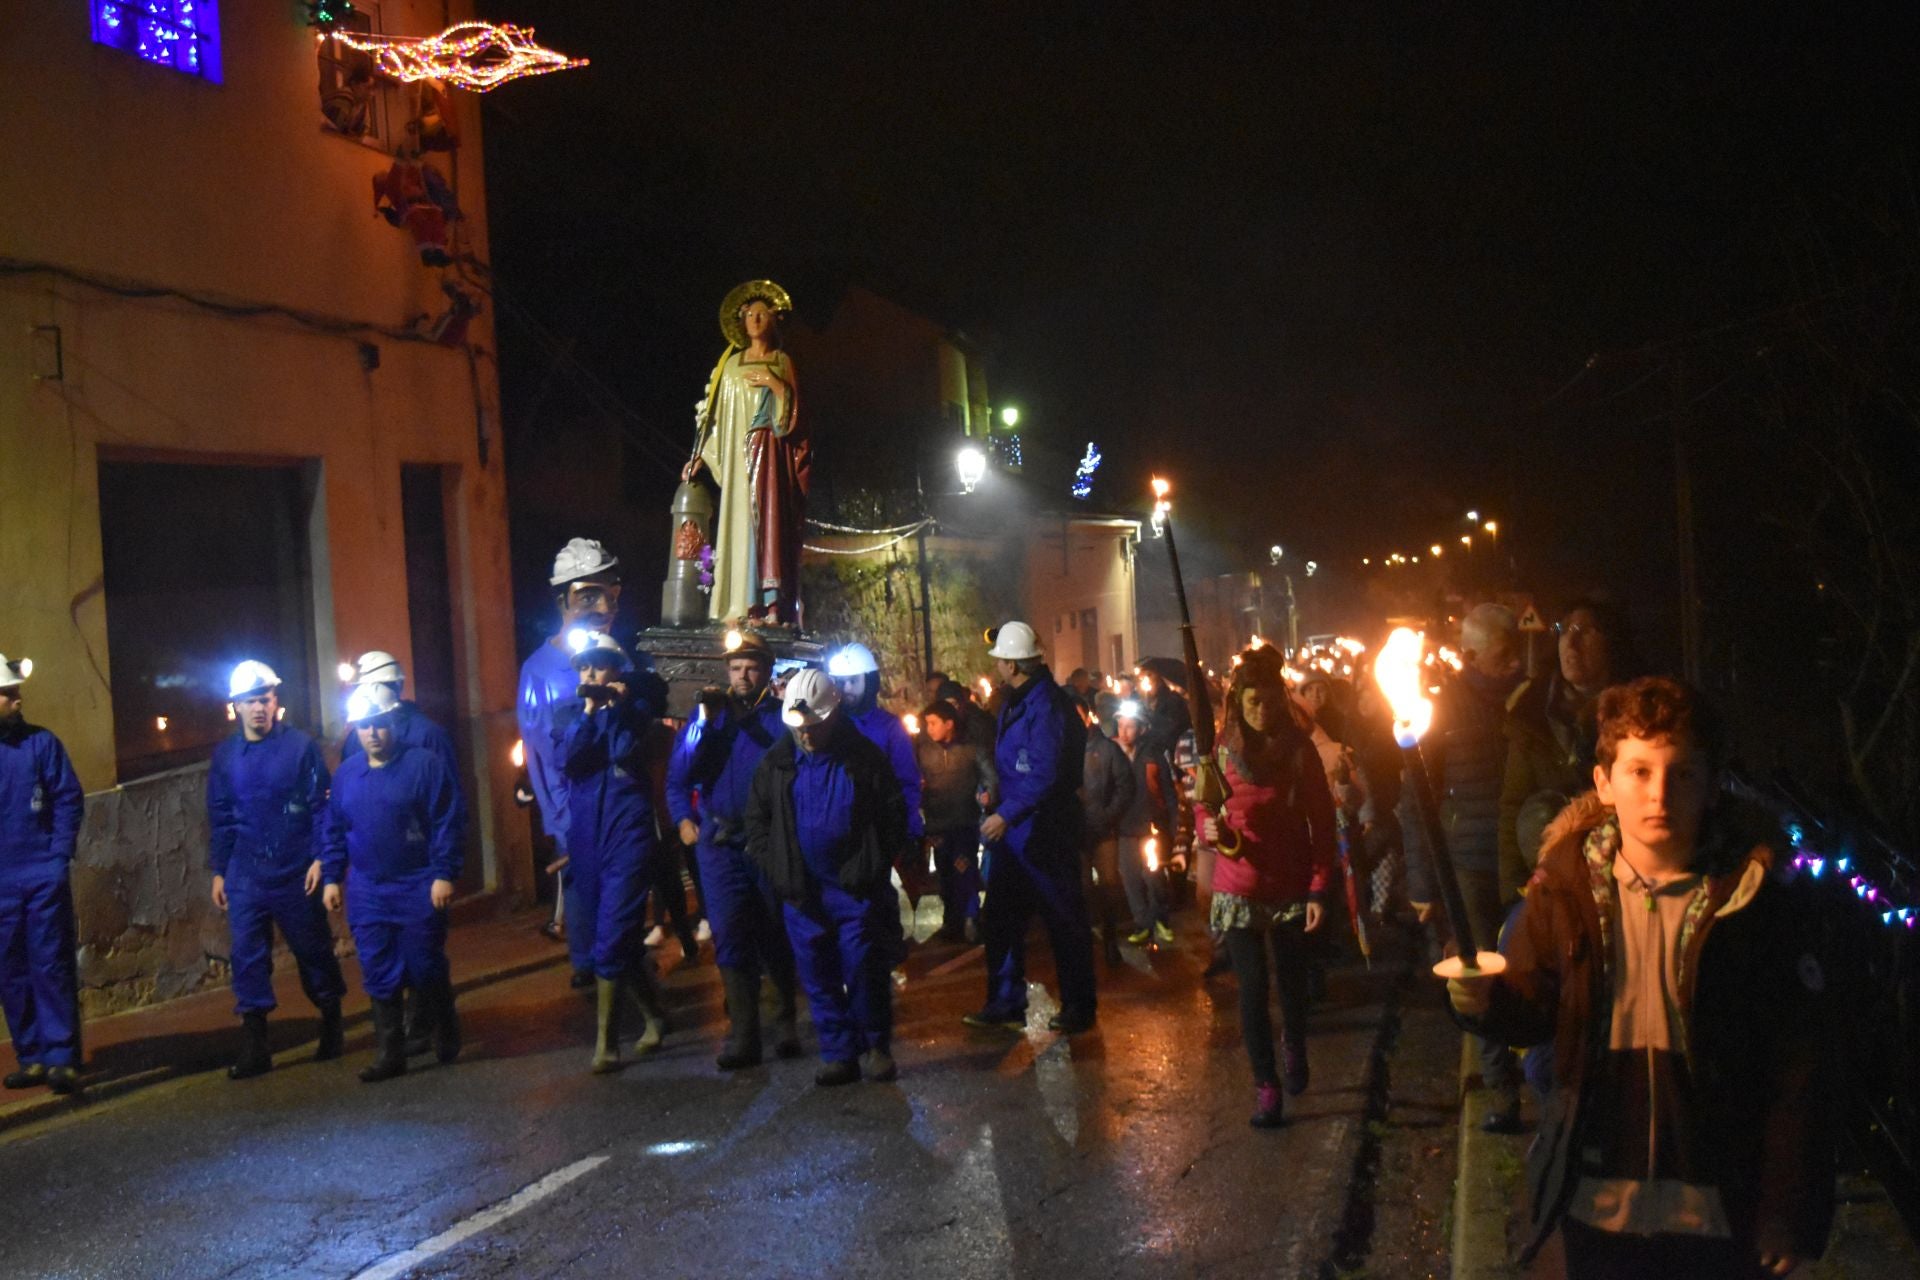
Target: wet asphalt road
x,y
1121,1153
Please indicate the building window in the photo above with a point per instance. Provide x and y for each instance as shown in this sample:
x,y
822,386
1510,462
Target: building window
x,y
204,565
182,34
354,98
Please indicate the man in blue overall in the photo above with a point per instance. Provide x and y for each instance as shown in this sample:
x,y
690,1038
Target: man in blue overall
x,y
40,809
586,585
1033,840
266,809
393,844
713,762
824,822
856,673
411,728
611,837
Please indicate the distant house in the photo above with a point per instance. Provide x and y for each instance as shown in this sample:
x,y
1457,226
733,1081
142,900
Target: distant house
x,y
237,419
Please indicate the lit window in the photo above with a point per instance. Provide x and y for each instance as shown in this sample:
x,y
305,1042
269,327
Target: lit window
x,y
182,34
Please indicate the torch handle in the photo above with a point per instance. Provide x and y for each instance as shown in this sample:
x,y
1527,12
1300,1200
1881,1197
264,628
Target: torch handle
x,y
1450,897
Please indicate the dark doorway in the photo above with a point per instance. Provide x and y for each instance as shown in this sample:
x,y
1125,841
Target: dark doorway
x,y
433,681
205,563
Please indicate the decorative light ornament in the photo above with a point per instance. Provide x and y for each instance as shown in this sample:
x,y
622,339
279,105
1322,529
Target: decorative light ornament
x,y
1083,474
473,55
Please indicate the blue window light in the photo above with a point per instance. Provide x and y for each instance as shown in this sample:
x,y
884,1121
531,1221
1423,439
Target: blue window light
x,y
181,34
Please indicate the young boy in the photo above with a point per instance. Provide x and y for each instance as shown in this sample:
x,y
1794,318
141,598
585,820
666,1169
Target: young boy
x,y
1688,1129
393,846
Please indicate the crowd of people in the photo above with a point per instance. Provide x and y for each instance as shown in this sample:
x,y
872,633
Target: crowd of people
x,y
1657,973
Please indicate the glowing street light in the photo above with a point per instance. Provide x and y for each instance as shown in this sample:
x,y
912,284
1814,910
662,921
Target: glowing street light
x,y
971,462
1275,552
1473,517
1435,550
1466,540
1010,417
1492,527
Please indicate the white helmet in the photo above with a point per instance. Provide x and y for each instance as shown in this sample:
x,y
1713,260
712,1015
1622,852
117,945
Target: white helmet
x,y
588,645
1014,642
377,666
14,671
250,678
810,698
369,702
853,660
581,558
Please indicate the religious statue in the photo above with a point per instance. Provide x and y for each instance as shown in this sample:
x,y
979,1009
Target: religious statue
x,y
751,442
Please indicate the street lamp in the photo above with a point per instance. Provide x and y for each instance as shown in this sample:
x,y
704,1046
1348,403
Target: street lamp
x,y
1473,517
1435,550
1492,527
1274,553
1010,417
971,462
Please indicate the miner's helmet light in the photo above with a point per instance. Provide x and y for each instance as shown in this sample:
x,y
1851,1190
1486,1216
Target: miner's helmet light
x,y
377,666
14,671
581,559
811,697
600,650
745,644
853,660
369,702
250,679
1014,641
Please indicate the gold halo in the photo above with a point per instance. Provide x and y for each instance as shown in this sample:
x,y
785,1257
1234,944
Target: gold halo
x,y
736,298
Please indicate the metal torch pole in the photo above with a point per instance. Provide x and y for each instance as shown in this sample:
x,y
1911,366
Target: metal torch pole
x,y
1450,897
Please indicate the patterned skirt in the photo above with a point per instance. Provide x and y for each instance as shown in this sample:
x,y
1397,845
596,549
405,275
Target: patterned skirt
x,y
1234,911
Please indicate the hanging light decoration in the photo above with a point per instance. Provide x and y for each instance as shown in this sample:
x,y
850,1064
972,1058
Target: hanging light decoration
x,y
472,55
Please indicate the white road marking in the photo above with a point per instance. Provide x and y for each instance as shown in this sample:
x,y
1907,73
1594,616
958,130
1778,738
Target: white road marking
x,y
400,1263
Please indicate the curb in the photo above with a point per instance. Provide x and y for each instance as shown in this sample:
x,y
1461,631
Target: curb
x,y
1483,1199
32,1110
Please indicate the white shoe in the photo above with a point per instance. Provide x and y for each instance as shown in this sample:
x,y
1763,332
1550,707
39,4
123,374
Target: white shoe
x,y
656,937
703,934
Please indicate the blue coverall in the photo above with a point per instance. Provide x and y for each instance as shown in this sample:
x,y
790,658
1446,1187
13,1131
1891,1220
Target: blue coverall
x,y
415,728
715,758
885,731
266,806
391,832
1035,866
844,940
549,704
40,809
612,843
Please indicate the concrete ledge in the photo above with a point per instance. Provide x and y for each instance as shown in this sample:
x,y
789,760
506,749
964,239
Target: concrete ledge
x,y
1487,1185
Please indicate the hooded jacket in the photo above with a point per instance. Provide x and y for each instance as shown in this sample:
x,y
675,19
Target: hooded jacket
x,y
876,829
1281,809
1759,1129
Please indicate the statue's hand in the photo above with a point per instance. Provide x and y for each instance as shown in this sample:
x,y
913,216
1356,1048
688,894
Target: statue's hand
x,y
691,470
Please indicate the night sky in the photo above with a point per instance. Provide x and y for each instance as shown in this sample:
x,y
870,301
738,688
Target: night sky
x,y
1323,264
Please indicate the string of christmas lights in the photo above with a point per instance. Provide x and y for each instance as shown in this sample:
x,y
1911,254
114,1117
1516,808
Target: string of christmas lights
x,y
473,55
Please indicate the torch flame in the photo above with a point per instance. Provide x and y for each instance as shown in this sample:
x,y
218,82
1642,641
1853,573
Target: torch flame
x,y
911,722
986,688
1151,851
1161,489
1398,671
518,754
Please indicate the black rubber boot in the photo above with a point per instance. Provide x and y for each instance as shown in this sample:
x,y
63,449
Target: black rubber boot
x,y
418,1007
833,1074
27,1077
256,1056
786,1015
606,1040
63,1080
332,1041
446,1023
390,1043
743,1020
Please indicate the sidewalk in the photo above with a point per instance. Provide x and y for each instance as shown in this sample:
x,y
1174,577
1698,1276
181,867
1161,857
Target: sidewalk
x,y
1869,1240
197,1033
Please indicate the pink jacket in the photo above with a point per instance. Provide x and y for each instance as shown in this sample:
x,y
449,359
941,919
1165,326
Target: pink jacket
x,y
1285,822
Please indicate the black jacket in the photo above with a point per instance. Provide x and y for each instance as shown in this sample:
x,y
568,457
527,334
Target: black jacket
x,y
1107,786
879,821
951,776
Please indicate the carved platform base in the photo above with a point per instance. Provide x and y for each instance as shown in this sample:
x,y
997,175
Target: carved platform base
x,y
692,658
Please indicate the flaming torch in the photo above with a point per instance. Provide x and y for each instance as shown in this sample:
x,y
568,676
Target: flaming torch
x,y
1210,790
1398,669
